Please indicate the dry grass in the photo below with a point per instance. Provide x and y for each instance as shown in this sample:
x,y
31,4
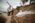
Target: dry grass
x,y
30,18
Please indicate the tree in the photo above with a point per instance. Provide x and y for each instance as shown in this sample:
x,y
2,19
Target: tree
x,y
24,1
10,8
32,1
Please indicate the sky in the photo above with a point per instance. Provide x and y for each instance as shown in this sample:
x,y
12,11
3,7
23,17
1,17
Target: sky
x,y
13,3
